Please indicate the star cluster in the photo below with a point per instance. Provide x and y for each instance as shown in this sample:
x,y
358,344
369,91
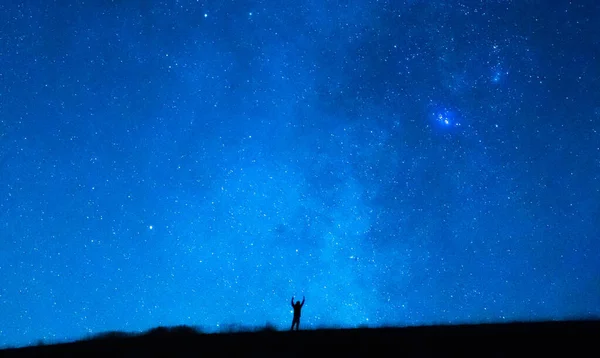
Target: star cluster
x,y
396,162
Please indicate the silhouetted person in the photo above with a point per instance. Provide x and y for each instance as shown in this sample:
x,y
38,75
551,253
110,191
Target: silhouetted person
x,y
297,308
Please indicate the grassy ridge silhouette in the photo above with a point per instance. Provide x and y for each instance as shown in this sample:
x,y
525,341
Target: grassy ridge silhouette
x,y
508,339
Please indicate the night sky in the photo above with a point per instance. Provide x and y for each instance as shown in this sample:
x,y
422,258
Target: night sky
x,y
396,162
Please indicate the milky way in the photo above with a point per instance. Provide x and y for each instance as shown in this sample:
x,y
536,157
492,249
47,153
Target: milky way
x,y
397,163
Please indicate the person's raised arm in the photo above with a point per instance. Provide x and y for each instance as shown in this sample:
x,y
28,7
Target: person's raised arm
x,y
303,299
292,301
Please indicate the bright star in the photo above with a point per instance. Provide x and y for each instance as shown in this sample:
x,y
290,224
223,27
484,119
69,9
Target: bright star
x,y
446,117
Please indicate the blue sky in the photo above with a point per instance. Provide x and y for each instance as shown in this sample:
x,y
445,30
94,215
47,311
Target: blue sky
x,y
397,163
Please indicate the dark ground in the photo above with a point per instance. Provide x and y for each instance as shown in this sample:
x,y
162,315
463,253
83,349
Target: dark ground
x,y
568,339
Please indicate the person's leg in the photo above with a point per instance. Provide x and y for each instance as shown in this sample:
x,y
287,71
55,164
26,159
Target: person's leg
x,y
298,325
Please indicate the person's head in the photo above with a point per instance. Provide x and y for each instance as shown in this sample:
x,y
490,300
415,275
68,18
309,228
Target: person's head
x,y
297,303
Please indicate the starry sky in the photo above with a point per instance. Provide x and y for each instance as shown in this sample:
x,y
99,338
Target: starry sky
x,y
199,162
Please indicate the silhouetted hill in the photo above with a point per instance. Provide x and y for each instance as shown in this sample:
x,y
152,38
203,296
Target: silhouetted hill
x,y
570,338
